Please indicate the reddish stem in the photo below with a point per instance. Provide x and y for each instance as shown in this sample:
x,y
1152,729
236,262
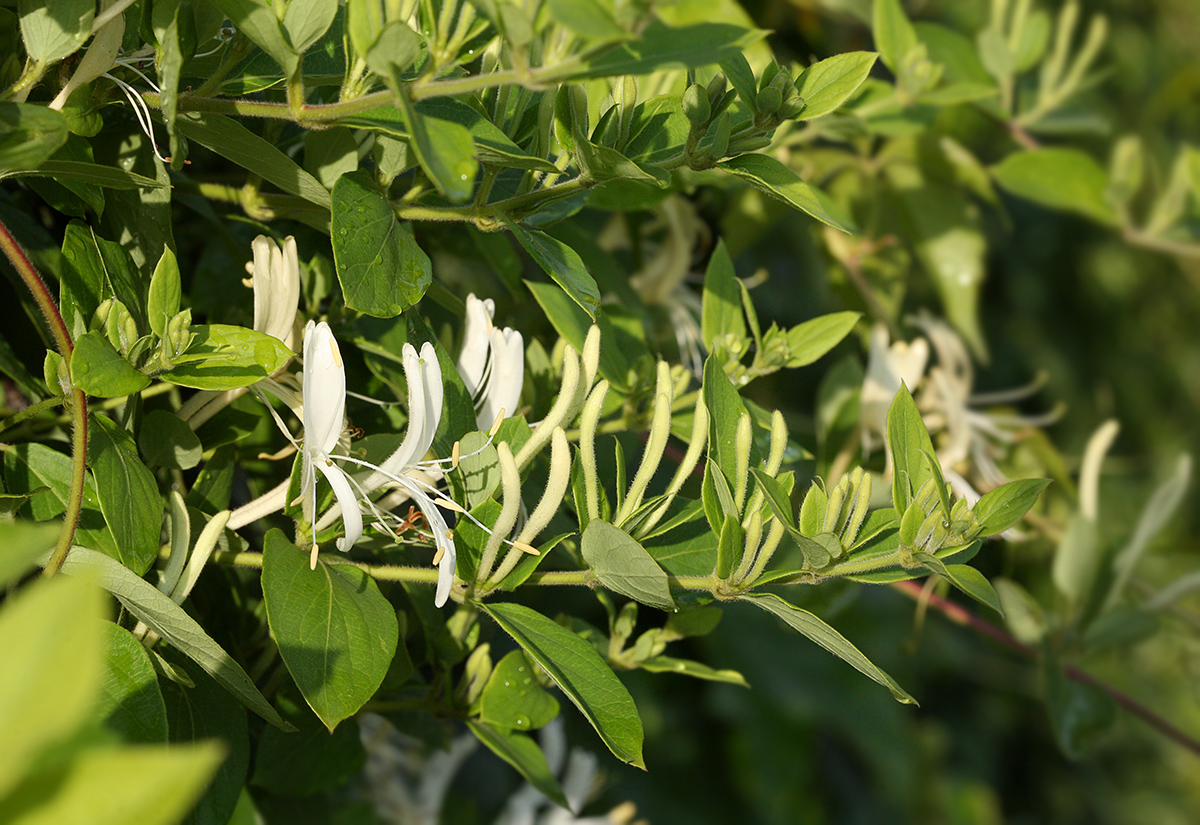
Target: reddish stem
x,y
961,616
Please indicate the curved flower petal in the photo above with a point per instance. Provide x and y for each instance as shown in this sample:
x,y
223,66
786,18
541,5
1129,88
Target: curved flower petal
x,y
276,286
472,361
507,374
324,389
442,537
346,499
424,376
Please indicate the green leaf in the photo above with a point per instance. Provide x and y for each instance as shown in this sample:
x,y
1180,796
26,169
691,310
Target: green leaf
x,y
777,497
590,18
660,46
1080,713
169,21
907,437
1064,179
725,409
29,466
444,149
818,631
201,710
336,632
53,661
54,30
171,622
258,21
381,268
223,357
965,578
827,84
128,492
29,134
131,705
721,317
944,227
24,543
563,264
166,441
233,141
1001,508
150,785
580,673
697,670
512,698
312,760
741,77
110,177
894,34
572,322
809,341
624,566
99,370
522,753
163,302
99,269
779,181
492,145
306,21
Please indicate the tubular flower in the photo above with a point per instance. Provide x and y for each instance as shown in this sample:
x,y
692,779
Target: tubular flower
x,y
276,281
492,363
324,391
888,365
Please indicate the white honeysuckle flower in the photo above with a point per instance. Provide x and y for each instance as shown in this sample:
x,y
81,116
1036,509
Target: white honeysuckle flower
x,y
969,436
492,363
324,391
888,365
276,281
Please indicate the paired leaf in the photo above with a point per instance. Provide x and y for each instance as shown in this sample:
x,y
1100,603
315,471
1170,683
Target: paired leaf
x,y
223,357
580,673
171,622
624,566
768,174
827,84
381,268
825,636
336,632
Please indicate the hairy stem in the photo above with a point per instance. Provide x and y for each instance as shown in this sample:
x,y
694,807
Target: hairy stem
x,y
77,403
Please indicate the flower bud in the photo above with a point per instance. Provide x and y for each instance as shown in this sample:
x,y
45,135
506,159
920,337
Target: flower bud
x,y
696,106
769,101
716,86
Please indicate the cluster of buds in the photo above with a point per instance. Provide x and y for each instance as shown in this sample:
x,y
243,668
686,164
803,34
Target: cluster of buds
x,y
706,107
777,99
927,527
118,324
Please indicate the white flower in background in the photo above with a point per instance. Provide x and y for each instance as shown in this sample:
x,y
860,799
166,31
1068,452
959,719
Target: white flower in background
x,y
888,365
324,390
408,783
276,280
492,363
969,435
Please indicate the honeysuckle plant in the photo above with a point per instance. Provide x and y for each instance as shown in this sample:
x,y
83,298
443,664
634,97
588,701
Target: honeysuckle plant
x,y
650,410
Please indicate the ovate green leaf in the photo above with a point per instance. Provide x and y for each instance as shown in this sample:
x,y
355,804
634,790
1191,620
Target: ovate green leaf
x,y
578,670
335,630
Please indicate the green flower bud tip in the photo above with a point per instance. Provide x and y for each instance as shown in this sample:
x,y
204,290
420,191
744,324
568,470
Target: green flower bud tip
x,y
696,106
716,86
910,524
769,100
